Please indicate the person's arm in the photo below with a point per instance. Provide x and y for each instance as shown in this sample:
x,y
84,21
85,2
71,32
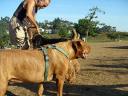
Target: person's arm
x,y
30,4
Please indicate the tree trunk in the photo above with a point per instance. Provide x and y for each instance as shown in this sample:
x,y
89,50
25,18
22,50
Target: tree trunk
x,y
87,35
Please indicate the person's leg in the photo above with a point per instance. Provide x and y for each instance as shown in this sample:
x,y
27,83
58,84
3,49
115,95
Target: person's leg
x,y
12,32
18,36
22,38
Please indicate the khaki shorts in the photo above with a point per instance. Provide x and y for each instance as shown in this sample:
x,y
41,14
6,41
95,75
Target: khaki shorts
x,y
18,34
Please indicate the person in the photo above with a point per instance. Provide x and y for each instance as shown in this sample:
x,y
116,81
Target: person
x,y
23,24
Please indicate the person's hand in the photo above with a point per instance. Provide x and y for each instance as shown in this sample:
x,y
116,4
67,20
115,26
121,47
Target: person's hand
x,y
35,29
38,30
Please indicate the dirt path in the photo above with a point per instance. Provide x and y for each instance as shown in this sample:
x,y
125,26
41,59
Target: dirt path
x,y
104,73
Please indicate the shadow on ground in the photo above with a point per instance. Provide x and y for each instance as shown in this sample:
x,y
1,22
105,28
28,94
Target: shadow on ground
x,y
119,47
77,90
111,65
8,93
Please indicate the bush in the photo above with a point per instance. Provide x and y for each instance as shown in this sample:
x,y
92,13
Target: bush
x,y
113,35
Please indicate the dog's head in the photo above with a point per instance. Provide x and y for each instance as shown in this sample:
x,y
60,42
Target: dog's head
x,y
81,48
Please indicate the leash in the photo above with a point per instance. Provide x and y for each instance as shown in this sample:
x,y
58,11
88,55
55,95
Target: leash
x,y
46,58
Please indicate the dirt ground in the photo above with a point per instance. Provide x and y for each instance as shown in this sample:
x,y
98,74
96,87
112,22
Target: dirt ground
x,y
104,73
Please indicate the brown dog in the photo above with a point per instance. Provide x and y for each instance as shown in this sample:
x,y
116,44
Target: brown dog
x,y
38,40
29,65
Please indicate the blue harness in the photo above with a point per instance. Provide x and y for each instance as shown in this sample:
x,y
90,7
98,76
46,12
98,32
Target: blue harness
x,y
46,58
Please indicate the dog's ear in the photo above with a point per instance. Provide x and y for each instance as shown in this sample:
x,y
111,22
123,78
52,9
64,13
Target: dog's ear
x,y
77,46
75,35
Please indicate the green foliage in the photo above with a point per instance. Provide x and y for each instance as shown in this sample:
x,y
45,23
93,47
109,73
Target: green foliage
x,y
92,13
109,36
63,32
118,35
113,35
99,38
4,40
82,26
4,36
87,26
57,23
58,26
123,34
3,25
107,28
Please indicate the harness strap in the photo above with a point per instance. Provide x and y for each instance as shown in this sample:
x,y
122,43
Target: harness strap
x,y
46,58
59,49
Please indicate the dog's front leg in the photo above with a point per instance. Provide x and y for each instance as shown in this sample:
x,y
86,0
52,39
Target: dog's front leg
x,y
60,83
3,85
41,89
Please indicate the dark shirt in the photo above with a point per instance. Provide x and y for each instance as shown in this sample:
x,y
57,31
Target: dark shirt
x,y
20,13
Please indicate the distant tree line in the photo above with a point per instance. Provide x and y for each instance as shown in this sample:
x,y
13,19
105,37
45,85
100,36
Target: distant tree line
x,y
58,26
86,27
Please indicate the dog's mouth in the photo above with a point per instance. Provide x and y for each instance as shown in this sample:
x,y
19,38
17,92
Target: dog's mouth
x,y
84,55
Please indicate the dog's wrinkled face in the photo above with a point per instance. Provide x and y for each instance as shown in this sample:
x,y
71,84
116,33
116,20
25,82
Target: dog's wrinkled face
x,y
81,48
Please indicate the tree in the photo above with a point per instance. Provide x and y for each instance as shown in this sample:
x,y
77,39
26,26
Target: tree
x,y
4,40
56,25
63,32
4,36
107,28
113,36
61,27
87,25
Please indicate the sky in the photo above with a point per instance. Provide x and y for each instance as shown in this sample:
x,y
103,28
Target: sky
x,y
116,11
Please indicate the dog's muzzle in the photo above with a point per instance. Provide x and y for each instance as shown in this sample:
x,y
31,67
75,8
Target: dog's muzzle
x,y
84,55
